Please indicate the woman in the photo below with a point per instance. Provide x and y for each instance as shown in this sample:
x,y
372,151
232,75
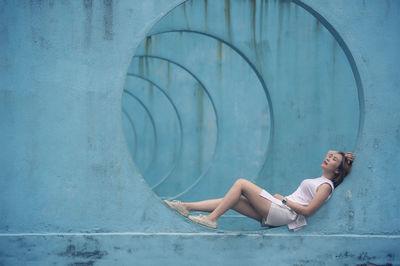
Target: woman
x,y
254,202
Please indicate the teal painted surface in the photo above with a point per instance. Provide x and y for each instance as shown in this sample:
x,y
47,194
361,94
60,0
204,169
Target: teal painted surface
x,y
66,164
280,84
201,249
64,157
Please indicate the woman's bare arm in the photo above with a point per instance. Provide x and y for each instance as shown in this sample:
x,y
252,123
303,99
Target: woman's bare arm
x,y
320,197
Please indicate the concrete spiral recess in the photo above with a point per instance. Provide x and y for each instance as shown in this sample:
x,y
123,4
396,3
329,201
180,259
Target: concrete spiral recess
x,y
235,89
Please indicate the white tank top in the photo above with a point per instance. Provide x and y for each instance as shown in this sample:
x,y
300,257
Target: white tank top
x,y
307,190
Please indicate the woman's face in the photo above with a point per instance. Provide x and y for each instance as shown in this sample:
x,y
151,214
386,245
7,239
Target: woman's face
x,y
332,161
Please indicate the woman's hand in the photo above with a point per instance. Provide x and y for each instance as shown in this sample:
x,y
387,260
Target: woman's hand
x,y
323,192
279,197
349,157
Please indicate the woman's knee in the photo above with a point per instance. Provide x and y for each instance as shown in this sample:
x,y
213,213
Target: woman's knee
x,y
241,182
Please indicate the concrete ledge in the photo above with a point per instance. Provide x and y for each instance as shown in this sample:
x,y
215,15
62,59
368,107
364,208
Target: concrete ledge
x,y
224,248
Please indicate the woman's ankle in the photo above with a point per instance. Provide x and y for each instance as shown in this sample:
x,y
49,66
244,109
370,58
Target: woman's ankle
x,y
212,219
186,206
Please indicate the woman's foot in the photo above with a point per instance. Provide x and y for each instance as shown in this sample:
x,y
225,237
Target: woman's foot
x,y
202,219
177,206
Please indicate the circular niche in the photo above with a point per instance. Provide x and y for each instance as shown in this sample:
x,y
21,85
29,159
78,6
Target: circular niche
x,y
225,89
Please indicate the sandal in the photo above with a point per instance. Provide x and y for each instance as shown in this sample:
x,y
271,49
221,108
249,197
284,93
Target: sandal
x,y
201,219
177,206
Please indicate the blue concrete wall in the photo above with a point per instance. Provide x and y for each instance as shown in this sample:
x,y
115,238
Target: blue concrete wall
x,y
277,85
70,191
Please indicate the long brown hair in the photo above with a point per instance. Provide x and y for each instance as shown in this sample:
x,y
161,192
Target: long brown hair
x,y
343,170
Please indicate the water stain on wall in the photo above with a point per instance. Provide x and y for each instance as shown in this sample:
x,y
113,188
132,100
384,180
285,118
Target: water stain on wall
x,y
206,15
108,19
185,15
148,44
88,5
83,252
227,12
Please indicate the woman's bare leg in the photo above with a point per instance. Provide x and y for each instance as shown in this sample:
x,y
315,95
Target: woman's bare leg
x,y
204,206
243,206
239,188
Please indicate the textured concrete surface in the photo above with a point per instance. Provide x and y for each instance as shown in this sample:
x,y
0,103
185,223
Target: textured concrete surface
x,y
71,193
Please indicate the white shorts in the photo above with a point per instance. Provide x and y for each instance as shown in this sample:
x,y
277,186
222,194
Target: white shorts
x,y
279,215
